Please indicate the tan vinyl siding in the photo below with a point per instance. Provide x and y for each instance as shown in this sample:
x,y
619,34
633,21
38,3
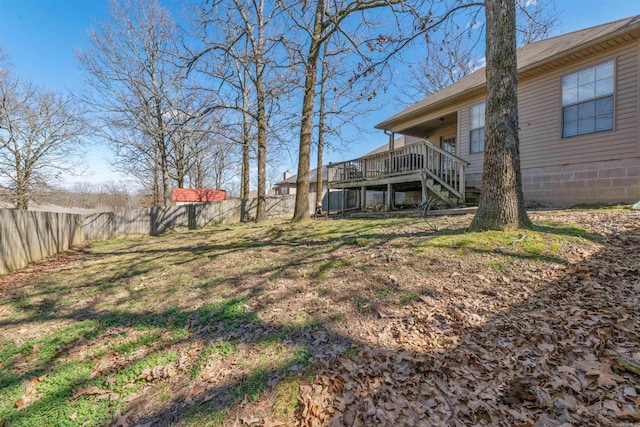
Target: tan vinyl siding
x,y
540,109
540,112
444,132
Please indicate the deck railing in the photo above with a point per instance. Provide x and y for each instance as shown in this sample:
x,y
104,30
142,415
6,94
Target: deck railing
x,y
445,168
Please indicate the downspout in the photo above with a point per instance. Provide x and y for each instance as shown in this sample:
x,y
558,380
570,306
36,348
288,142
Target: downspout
x,y
392,137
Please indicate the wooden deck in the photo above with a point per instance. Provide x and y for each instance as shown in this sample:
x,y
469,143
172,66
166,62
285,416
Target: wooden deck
x,y
440,173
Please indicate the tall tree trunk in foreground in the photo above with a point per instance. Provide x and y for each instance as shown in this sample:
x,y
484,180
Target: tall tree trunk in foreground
x,y
306,126
501,204
244,185
321,124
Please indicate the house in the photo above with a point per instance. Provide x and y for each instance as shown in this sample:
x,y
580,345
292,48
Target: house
x,y
288,183
184,196
578,103
288,186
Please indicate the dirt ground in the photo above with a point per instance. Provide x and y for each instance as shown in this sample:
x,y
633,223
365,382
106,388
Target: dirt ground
x,y
333,322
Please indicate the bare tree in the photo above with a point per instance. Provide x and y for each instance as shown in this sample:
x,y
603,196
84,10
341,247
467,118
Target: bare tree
x,y
40,137
340,103
373,53
501,204
82,195
535,20
242,52
326,21
455,55
131,66
444,64
116,195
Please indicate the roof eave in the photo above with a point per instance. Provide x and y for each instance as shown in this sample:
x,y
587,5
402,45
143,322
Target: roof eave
x,y
392,123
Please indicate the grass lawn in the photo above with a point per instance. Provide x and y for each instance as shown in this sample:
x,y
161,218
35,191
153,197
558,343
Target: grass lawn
x,y
357,321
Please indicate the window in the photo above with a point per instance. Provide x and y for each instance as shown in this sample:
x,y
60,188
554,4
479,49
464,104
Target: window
x,y
476,137
587,100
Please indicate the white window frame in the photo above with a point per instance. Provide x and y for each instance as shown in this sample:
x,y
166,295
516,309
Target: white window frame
x,y
589,92
476,126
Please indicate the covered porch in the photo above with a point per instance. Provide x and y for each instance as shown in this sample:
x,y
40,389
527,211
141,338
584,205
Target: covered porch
x,y
420,170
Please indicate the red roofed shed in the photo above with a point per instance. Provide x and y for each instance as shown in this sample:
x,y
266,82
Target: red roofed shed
x,y
198,195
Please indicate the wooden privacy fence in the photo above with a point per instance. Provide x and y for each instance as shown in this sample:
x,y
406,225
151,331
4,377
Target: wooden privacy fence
x,y
27,236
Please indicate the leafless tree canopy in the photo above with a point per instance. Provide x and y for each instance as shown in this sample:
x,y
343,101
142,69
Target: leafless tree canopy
x,y
456,52
148,108
40,137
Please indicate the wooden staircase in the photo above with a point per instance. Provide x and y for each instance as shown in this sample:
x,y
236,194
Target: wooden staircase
x,y
442,194
472,196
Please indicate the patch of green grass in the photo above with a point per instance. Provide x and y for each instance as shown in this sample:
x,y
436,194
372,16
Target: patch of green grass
x,y
601,206
8,349
129,347
272,338
253,386
201,415
52,344
286,402
55,401
350,352
339,318
321,270
545,242
567,229
363,304
358,241
408,297
126,380
218,349
304,320
495,265
383,292
535,248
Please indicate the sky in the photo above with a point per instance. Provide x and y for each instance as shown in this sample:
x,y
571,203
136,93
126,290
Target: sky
x,y
41,35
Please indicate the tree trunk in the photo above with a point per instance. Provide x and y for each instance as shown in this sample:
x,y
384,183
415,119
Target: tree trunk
x,y
321,121
199,181
501,205
156,178
306,126
20,199
244,214
261,212
164,166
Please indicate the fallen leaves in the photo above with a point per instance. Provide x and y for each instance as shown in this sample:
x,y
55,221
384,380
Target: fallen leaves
x,y
30,393
398,337
96,392
158,372
556,349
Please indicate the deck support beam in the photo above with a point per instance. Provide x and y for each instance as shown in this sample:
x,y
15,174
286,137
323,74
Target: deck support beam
x,y
363,198
390,196
423,182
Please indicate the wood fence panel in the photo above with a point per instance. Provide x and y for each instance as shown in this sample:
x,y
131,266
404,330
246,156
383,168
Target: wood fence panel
x,y
30,236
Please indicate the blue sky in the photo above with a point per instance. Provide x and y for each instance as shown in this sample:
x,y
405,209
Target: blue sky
x,y
41,35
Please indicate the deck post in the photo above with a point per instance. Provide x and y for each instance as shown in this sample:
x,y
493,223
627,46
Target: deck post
x,y
363,198
344,200
389,196
423,184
